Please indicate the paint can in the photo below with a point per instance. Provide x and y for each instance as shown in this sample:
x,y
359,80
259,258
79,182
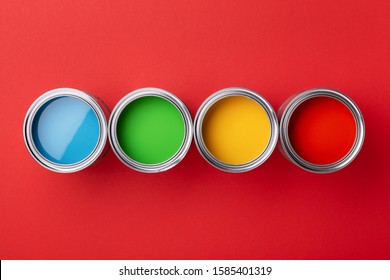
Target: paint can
x,y
236,129
150,130
65,130
321,130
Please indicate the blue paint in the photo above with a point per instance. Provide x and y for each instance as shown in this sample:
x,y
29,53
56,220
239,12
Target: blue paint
x,y
65,130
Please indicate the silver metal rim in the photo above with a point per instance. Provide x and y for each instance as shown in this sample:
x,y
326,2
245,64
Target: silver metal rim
x,y
150,168
235,91
27,130
289,109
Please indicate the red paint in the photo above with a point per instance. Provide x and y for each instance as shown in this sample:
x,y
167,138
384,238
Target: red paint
x,y
322,130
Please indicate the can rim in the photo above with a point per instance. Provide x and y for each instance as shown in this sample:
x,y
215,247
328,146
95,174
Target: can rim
x,y
289,108
43,99
209,102
180,153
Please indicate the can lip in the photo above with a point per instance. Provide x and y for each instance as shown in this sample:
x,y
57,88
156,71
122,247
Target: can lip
x,y
289,108
206,105
150,168
27,130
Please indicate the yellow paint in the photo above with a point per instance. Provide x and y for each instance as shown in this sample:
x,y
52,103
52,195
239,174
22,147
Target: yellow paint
x,y
236,130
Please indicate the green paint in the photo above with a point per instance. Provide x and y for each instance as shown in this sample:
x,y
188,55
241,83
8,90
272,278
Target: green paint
x,y
150,130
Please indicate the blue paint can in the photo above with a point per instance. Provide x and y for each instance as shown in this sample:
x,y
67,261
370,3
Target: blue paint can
x,y
65,130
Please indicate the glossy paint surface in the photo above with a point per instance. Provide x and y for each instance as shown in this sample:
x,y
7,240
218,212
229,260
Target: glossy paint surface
x,y
150,130
236,129
322,130
65,130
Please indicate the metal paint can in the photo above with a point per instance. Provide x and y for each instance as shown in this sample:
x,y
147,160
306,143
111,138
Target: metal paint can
x,y
339,130
244,116
150,130
65,130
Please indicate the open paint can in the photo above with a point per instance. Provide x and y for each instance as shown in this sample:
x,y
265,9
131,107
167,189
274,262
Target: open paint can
x,y
65,130
150,130
321,130
236,129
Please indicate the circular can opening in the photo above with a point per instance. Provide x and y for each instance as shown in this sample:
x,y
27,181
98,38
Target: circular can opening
x,y
236,129
150,130
321,130
65,130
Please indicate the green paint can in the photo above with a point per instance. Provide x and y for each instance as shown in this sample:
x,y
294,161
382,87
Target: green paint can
x,y
150,130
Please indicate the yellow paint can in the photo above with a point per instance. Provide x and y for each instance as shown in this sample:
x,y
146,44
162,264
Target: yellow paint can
x,y
236,129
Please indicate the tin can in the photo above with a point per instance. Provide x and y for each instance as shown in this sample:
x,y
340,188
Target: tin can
x,y
334,134
65,130
244,127
150,130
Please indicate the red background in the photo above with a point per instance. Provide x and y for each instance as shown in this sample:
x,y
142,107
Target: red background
x,y
194,48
